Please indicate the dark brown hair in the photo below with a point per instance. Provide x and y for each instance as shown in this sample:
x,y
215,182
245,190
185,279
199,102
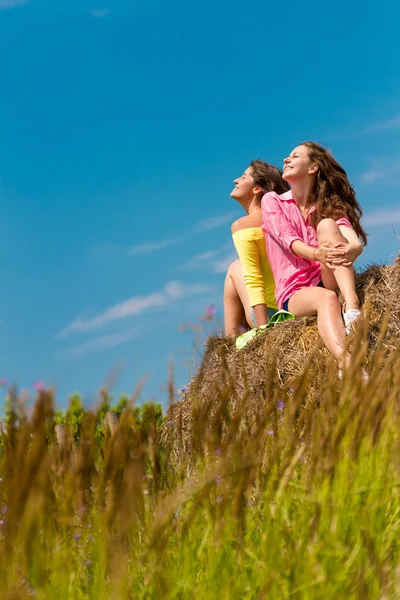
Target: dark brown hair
x,y
332,194
268,177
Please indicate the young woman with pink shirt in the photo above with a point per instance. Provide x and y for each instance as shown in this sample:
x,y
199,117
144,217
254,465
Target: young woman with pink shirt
x,y
313,236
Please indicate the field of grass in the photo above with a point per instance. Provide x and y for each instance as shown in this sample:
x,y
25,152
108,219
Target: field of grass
x,y
300,499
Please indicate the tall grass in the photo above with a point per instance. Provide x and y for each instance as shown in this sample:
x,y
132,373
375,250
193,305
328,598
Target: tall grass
x,y
297,499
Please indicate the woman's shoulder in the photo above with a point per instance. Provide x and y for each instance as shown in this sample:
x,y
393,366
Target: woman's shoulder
x,y
247,222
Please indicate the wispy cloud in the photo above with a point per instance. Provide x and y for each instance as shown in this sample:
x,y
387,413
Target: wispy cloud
x,y
214,222
220,265
199,261
173,291
388,168
385,125
155,246
373,175
215,261
100,13
103,342
382,217
7,4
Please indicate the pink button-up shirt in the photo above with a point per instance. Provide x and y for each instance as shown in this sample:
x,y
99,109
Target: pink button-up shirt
x,y
282,224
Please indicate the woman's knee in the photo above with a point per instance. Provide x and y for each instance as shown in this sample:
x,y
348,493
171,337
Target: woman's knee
x,y
231,277
329,298
234,269
327,226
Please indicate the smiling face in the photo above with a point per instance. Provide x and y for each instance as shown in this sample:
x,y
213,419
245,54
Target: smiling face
x,y
298,166
245,187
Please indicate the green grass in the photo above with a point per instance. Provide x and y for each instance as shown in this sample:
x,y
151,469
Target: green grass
x,y
302,502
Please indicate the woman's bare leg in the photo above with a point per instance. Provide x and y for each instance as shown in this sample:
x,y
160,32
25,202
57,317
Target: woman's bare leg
x,y
325,304
329,232
237,308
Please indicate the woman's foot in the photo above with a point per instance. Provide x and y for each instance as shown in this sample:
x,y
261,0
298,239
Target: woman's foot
x,y
350,317
364,374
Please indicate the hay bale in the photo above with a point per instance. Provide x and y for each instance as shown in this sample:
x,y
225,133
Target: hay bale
x,y
276,358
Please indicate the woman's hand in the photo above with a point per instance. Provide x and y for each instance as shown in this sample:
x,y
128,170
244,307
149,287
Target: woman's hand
x,y
323,254
338,255
344,254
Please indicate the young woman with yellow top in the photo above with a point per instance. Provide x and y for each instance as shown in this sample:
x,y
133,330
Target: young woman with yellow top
x,y
249,293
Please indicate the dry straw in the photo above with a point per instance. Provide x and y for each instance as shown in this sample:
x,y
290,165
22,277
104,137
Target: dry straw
x,y
276,358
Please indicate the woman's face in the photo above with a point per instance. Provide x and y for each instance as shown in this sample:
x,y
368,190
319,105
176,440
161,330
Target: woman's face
x,y
244,186
298,165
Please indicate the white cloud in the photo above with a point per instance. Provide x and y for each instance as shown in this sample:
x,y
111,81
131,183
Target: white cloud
x,y
204,225
382,217
136,305
387,125
199,260
149,247
382,169
214,261
100,13
102,343
154,246
7,4
373,175
221,264
214,222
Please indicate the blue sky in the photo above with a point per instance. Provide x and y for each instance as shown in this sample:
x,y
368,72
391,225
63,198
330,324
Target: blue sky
x,y
122,126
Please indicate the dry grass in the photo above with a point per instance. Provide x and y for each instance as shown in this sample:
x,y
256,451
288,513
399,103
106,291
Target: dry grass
x,y
276,358
269,480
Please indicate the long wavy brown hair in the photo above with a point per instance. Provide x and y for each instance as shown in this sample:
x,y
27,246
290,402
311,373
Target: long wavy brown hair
x,y
268,177
332,194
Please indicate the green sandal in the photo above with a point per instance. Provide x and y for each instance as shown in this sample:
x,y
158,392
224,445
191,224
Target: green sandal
x,y
278,317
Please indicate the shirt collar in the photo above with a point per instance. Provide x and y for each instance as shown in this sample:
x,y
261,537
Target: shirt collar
x,y
286,196
289,196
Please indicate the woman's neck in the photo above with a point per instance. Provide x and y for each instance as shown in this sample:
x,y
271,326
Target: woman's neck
x,y
253,206
301,192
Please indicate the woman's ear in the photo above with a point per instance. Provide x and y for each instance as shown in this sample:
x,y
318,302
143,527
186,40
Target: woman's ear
x,y
313,168
257,190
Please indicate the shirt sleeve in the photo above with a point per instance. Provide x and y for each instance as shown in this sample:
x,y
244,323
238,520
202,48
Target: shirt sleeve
x,y
250,259
344,221
276,223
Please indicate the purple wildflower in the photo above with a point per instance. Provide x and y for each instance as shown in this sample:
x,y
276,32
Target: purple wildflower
x,y
250,503
183,389
219,499
218,451
270,432
292,389
39,385
3,381
280,405
77,536
210,312
218,480
87,562
170,423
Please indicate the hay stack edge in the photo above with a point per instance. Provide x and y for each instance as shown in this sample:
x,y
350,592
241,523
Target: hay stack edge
x,y
277,357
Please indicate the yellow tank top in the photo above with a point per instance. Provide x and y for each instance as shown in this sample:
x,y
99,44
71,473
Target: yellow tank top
x,y
250,246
